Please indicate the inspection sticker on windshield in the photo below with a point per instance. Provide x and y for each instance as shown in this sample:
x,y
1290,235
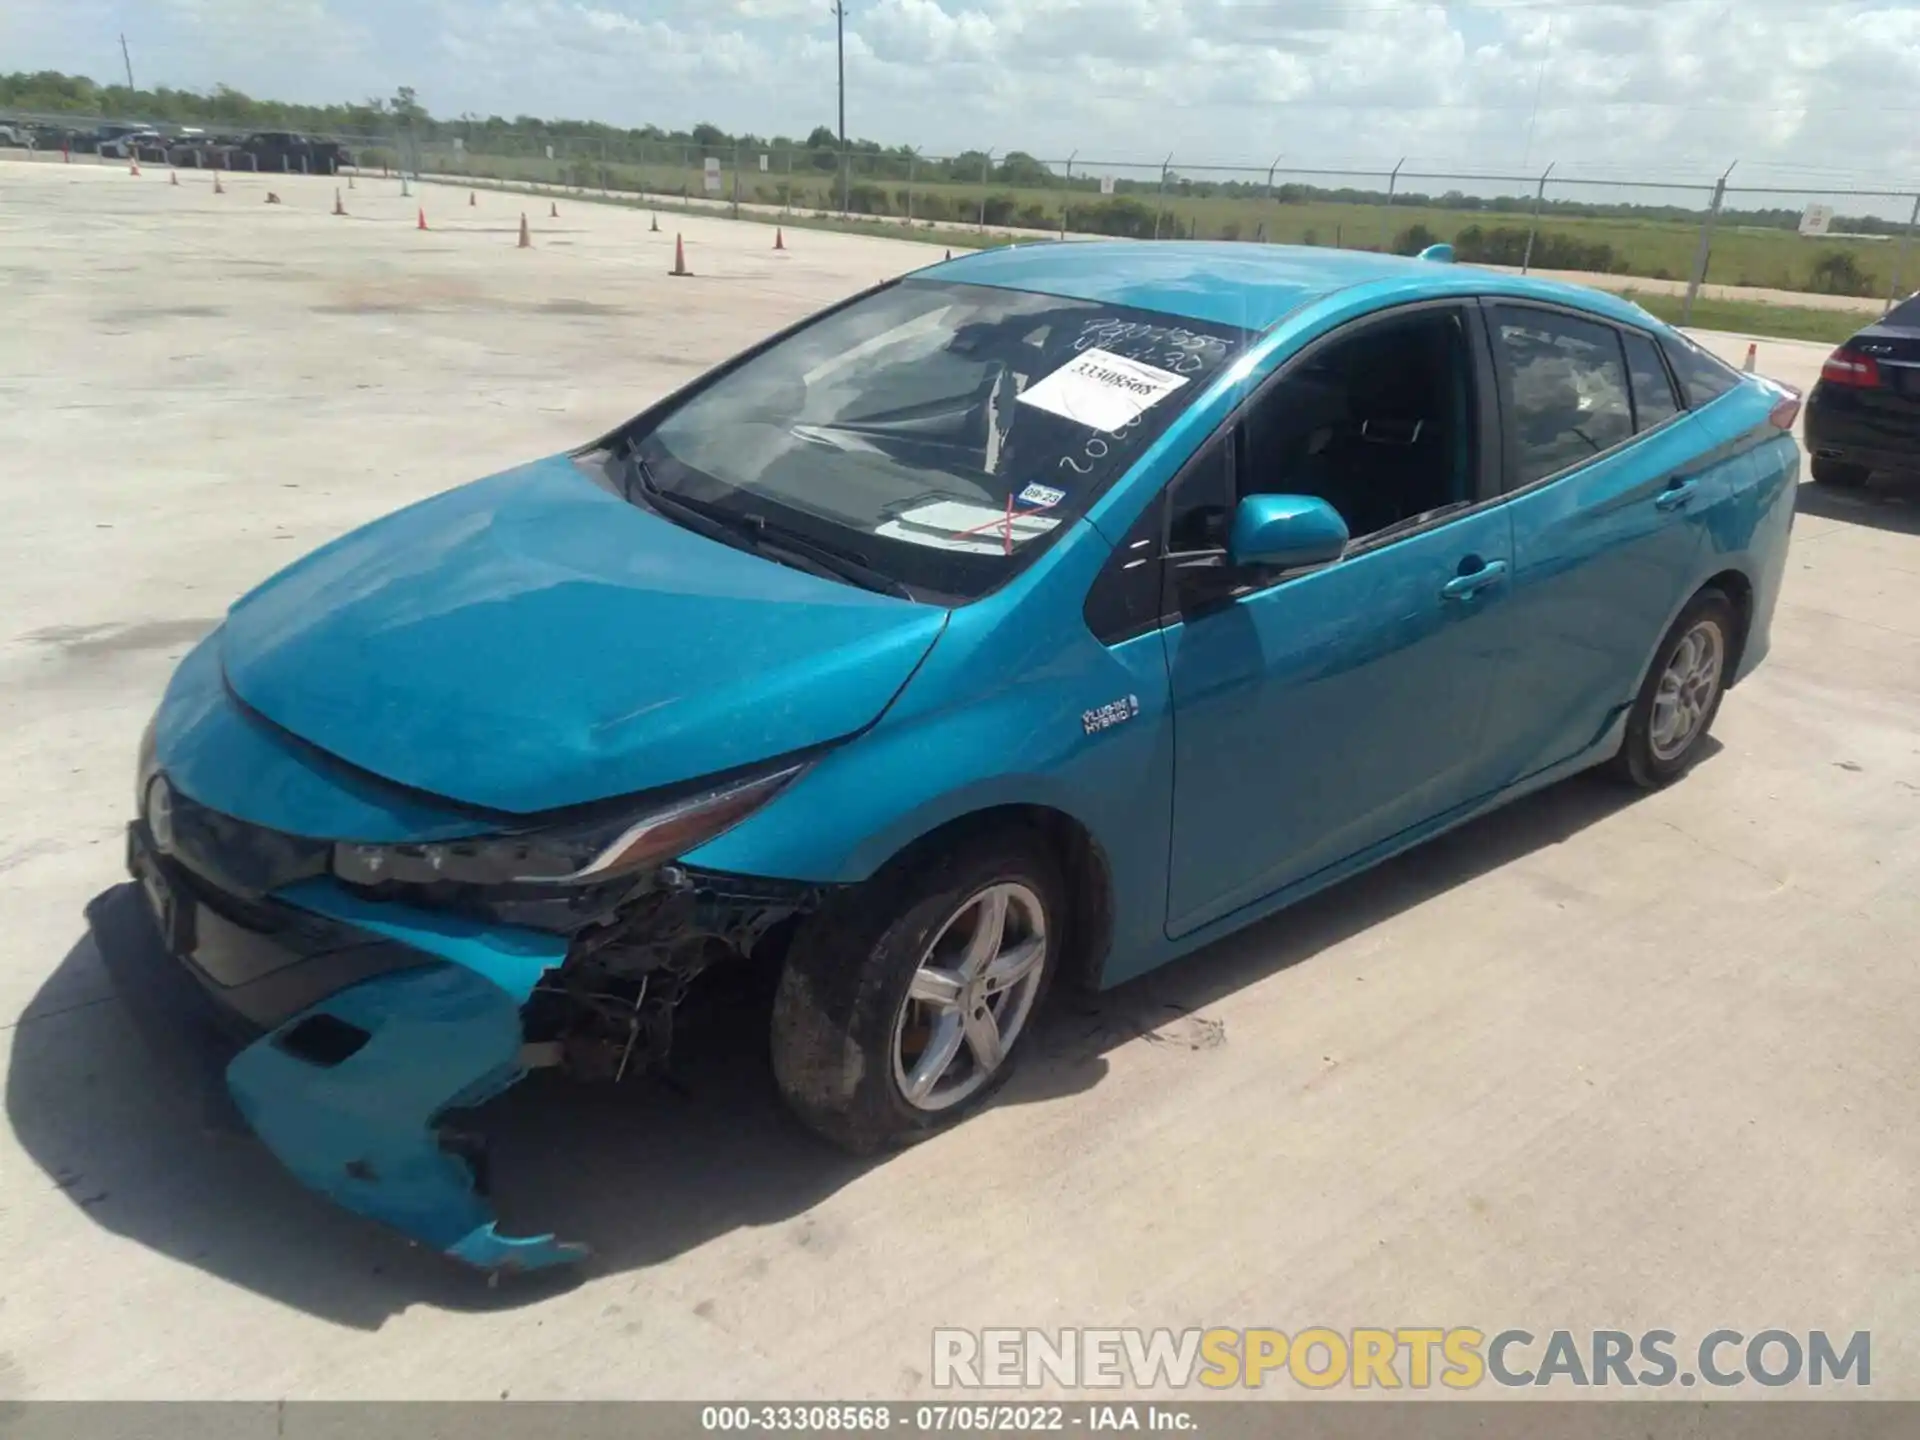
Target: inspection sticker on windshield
x,y
1101,389
1043,497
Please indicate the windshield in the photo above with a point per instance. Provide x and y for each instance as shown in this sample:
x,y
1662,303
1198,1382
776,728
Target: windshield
x,y
936,434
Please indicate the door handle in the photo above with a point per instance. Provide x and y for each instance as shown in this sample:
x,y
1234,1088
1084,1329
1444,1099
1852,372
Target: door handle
x,y
1463,587
1677,495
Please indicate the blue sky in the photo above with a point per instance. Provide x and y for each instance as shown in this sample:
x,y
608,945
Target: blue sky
x,y
1809,93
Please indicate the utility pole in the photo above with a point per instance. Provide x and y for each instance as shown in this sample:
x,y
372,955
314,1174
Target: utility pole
x,y
126,60
840,44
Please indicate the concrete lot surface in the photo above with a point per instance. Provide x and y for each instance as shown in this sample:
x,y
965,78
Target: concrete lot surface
x,y
1597,1061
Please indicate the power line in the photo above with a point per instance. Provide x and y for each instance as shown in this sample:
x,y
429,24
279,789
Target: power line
x,y
840,46
1539,84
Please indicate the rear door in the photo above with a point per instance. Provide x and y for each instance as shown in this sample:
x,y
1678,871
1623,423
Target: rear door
x,y
1609,502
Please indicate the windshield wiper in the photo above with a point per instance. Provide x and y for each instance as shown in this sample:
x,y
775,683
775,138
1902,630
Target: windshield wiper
x,y
761,535
637,468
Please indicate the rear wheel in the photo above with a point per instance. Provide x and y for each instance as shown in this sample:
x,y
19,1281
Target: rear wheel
x,y
1681,694
1840,474
902,1005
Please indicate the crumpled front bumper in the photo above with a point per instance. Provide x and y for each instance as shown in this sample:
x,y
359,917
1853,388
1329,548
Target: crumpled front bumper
x,y
350,1093
363,1129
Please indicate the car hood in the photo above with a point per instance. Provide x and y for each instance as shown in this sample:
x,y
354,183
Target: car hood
x,y
532,641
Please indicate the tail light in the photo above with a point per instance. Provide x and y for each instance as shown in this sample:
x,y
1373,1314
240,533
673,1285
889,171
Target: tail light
x,y
1846,367
1785,411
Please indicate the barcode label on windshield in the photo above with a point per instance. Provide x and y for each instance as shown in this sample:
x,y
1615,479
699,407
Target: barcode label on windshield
x,y
1102,390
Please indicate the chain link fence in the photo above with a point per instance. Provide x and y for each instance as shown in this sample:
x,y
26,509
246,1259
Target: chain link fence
x,y
1845,247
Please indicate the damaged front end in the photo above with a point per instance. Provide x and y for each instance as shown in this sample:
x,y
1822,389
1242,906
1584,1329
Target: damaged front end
x,y
350,1097
359,1025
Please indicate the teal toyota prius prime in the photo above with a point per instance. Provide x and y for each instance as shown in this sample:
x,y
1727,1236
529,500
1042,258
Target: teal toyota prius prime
x,y
1045,613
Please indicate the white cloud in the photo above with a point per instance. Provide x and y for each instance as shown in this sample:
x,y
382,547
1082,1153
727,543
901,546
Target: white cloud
x,y
1664,89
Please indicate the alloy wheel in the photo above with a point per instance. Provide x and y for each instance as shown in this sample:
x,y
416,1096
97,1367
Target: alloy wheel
x,y
971,996
1688,686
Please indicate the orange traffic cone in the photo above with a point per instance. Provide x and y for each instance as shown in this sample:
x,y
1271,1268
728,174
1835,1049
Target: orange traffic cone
x,y
679,258
1753,356
472,199
338,207
655,227
423,218
173,177
349,182
218,188
133,166
553,209
526,240
272,199
949,255
779,238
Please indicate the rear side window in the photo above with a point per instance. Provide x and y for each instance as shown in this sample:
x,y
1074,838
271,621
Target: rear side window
x,y
1653,401
1702,377
1567,386
1906,313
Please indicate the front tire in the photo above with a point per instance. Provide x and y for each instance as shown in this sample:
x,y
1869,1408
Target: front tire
x,y
1681,695
904,1003
1839,474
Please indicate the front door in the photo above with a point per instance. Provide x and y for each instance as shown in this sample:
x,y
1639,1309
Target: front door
x,y
1320,714
1328,713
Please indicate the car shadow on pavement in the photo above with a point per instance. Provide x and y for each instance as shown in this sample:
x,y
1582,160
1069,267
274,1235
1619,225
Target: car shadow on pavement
x,y
1166,1005
642,1173
1884,503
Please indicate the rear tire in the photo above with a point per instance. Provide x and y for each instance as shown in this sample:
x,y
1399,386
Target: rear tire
x,y
1839,474
1681,695
902,971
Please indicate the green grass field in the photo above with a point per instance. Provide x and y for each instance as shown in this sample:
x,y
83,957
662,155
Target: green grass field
x,y
1740,317
1752,317
1657,249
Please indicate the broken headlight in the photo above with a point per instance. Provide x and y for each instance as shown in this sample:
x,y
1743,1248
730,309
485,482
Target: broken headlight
x,y
586,853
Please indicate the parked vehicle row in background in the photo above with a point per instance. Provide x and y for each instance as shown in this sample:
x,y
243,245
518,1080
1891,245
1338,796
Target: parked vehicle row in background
x,y
187,146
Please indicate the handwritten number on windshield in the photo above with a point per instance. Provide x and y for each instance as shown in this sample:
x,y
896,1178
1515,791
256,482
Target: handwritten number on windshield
x,y
1168,347
1097,448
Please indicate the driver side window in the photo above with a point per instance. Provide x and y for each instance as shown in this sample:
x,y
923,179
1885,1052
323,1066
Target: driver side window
x,y
1379,423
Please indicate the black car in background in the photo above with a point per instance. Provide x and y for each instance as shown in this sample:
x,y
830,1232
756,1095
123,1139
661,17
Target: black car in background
x,y
198,150
285,150
1864,414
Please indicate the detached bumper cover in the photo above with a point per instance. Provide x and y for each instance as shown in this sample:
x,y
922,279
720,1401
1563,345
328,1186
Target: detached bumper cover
x,y
362,1130
349,1092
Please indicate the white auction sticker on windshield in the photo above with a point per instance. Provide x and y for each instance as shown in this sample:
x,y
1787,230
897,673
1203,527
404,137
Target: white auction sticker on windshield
x,y
1102,389
969,529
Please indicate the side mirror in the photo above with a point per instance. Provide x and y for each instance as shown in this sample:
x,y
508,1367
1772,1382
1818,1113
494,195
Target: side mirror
x,y
1286,531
